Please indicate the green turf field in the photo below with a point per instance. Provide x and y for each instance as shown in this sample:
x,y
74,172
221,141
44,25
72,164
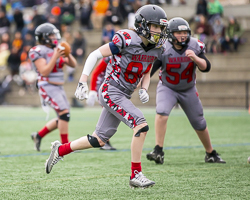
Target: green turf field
x,y
99,175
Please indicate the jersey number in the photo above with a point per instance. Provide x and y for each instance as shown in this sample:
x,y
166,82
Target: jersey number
x,y
137,67
186,74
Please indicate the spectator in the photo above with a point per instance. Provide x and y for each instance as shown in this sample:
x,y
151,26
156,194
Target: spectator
x,y
5,39
201,8
100,7
18,18
67,12
26,71
79,46
38,18
28,29
116,13
218,34
4,54
14,61
107,33
17,41
214,8
2,6
85,11
4,23
203,30
136,4
232,35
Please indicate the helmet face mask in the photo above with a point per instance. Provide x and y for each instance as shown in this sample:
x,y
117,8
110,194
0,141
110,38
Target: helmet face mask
x,y
178,24
47,34
145,17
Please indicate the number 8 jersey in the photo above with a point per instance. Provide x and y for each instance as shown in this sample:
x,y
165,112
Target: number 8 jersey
x,y
133,60
178,71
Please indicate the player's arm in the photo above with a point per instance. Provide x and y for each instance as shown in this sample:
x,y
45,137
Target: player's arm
x,y
70,61
145,81
157,64
45,68
201,61
103,51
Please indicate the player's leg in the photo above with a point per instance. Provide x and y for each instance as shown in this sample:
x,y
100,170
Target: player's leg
x,y
105,129
191,104
165,101
37,136
121,107
63,125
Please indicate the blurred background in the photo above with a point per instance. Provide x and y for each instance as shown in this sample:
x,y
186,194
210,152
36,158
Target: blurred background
x,y
223,25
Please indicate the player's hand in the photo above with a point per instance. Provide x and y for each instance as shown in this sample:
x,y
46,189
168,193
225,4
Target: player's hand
x,y
82,91
92,98
189,53
144,97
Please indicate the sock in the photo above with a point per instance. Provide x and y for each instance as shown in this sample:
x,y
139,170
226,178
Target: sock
x,y
158,149
64,138
135,167
44,131
64,149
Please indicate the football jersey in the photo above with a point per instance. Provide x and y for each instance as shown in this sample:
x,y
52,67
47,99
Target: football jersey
x,y
178,71
42,51
128,66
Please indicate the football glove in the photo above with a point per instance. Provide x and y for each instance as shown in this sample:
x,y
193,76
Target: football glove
x,y
92,98
144,97
82,91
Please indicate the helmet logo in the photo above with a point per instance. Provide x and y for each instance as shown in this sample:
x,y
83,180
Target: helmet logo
x,y
182,28
163,22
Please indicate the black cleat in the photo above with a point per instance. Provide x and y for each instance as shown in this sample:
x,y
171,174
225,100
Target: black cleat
x,y
156,156
213,157
37,140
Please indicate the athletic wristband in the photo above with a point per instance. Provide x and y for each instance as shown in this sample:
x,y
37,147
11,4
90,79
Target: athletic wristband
x,y
91,61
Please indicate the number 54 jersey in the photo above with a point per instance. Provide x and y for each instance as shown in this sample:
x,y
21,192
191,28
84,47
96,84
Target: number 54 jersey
x,y
178,71
133,60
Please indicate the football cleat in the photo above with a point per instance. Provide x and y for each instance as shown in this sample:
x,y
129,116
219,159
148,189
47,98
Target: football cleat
x,y
157,157
213,157
140,181
53,157
37,140
107,146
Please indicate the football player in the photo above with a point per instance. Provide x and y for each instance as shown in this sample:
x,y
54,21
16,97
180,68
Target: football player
x,y
97,79
48,60
133,52
182,55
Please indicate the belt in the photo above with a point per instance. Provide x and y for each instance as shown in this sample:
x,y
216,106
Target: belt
x,y
115,84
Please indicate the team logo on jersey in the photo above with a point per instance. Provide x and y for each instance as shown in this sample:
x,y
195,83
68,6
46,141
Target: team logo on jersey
x,y
116,39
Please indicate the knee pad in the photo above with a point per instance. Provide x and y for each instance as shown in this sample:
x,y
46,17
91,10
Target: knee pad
x,y
144,129
93,141
65,117
200,126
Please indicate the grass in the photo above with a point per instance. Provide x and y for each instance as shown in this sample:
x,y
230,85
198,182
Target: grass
x,y
96,174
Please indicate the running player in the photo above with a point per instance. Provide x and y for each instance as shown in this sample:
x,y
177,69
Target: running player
x,y
49,60
97,79
177,85
133,52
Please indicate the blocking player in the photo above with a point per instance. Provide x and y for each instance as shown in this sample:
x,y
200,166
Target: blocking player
x,y
178,64
97,79
133,52
49,60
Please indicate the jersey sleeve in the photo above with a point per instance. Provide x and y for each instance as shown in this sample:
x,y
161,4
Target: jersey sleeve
x,y
121,39
35,53
201,46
